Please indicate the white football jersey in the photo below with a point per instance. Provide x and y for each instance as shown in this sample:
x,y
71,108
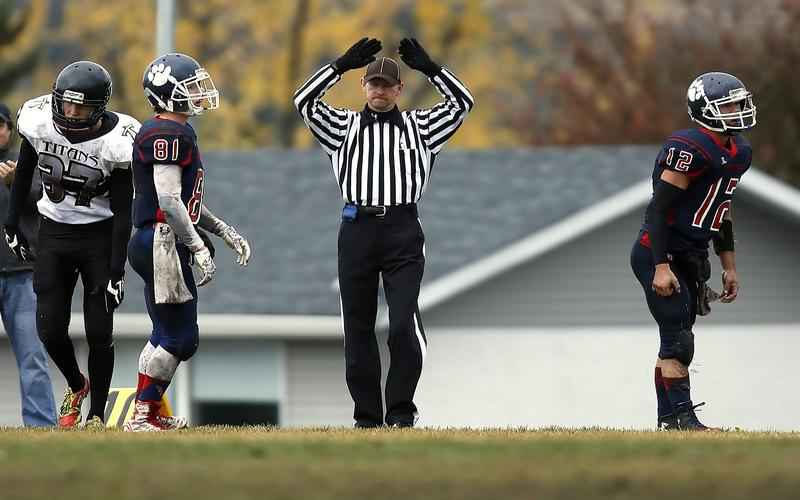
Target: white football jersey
x,y
75,177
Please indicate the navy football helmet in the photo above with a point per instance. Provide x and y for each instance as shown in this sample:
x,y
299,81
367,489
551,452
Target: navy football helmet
x,y
177,83
709,91
82,82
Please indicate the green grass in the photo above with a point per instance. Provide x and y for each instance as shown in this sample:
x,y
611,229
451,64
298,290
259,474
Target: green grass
x,y
238,463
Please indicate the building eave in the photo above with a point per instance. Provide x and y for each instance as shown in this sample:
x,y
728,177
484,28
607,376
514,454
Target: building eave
x,y
229,326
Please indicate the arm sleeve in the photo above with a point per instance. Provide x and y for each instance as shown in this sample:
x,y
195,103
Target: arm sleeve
x,y
439,123
664,196
121,191
328,124
211,222
21,188
167,180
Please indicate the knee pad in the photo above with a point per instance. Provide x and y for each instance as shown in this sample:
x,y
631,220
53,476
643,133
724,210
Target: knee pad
x,y
162,364
677,345
189,346
184,346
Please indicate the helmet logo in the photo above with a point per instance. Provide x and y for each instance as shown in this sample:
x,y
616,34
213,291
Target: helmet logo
x,y
72,96
696,90
737,93
159,74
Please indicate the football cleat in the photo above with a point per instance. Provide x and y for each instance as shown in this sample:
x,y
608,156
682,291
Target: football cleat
x,y
668,423
145,418
173,423
94,424
687,419
69,416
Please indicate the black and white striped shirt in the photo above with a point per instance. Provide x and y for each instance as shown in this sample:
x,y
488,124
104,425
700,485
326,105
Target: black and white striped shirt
x,y
386,161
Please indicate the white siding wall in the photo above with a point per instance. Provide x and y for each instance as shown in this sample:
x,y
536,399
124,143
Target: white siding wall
x,y
604,377
316,389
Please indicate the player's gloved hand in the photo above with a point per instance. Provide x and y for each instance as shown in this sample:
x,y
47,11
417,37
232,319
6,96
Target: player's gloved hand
x,y
18,244
206,264
730,286
238,244
412,53
207,241
115,292
665,281
360,54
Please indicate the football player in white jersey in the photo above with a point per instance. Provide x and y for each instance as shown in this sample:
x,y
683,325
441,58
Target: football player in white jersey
x,y
83,153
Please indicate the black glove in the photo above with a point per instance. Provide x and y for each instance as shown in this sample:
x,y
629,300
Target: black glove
x,y
360,54
207,241
115,292
18,244
412,53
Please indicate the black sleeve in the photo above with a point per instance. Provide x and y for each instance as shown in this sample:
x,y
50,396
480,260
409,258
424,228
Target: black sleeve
x,y
664,196
121,192
21,188
723,240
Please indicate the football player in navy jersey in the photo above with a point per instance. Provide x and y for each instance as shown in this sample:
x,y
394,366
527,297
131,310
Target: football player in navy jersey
x,y
169,180
696,173
83,153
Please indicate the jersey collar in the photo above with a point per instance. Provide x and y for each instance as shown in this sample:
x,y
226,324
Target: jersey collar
x,y
731,151
393,116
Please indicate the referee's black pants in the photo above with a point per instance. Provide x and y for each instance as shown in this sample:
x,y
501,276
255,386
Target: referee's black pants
x,y
391,246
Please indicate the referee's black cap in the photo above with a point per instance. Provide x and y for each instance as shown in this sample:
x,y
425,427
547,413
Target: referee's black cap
x,y
385,68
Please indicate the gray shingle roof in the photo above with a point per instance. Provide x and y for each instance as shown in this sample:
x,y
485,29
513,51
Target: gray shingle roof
x,y
288,206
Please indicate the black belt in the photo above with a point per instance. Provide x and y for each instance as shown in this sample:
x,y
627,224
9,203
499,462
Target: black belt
x,y
379,211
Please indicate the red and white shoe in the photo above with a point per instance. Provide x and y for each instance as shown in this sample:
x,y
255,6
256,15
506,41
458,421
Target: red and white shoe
x,y
69,416
146,418
173,423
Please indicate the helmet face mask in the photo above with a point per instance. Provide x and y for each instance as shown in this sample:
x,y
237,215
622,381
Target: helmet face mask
x,y
176,83
710,94
84,83
198,92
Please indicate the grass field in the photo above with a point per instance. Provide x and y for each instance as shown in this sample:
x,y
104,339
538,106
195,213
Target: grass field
x,y
237,463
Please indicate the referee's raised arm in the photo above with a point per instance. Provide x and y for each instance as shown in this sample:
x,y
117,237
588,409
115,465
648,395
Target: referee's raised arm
x,y
439,123
329,124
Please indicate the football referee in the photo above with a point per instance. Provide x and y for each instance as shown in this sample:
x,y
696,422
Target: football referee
x,y
382,160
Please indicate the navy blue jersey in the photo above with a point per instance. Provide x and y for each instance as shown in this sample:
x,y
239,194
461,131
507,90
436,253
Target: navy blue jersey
x,y
714,171
165,142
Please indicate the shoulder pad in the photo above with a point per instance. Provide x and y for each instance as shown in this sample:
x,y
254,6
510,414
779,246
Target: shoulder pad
x,y
34,117
164,144
683,152
118,143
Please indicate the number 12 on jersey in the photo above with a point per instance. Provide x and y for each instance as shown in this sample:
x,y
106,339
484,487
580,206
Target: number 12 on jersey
x,y
708,202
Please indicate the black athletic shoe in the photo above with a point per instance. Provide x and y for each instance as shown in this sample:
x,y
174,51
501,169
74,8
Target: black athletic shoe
x,y
668,423
687,419
403,422
366,424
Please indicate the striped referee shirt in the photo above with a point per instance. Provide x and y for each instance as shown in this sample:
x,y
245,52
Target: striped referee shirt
x,y
384,160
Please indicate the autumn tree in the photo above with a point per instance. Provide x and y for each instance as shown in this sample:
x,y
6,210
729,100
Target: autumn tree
x,y
20,40
559,72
